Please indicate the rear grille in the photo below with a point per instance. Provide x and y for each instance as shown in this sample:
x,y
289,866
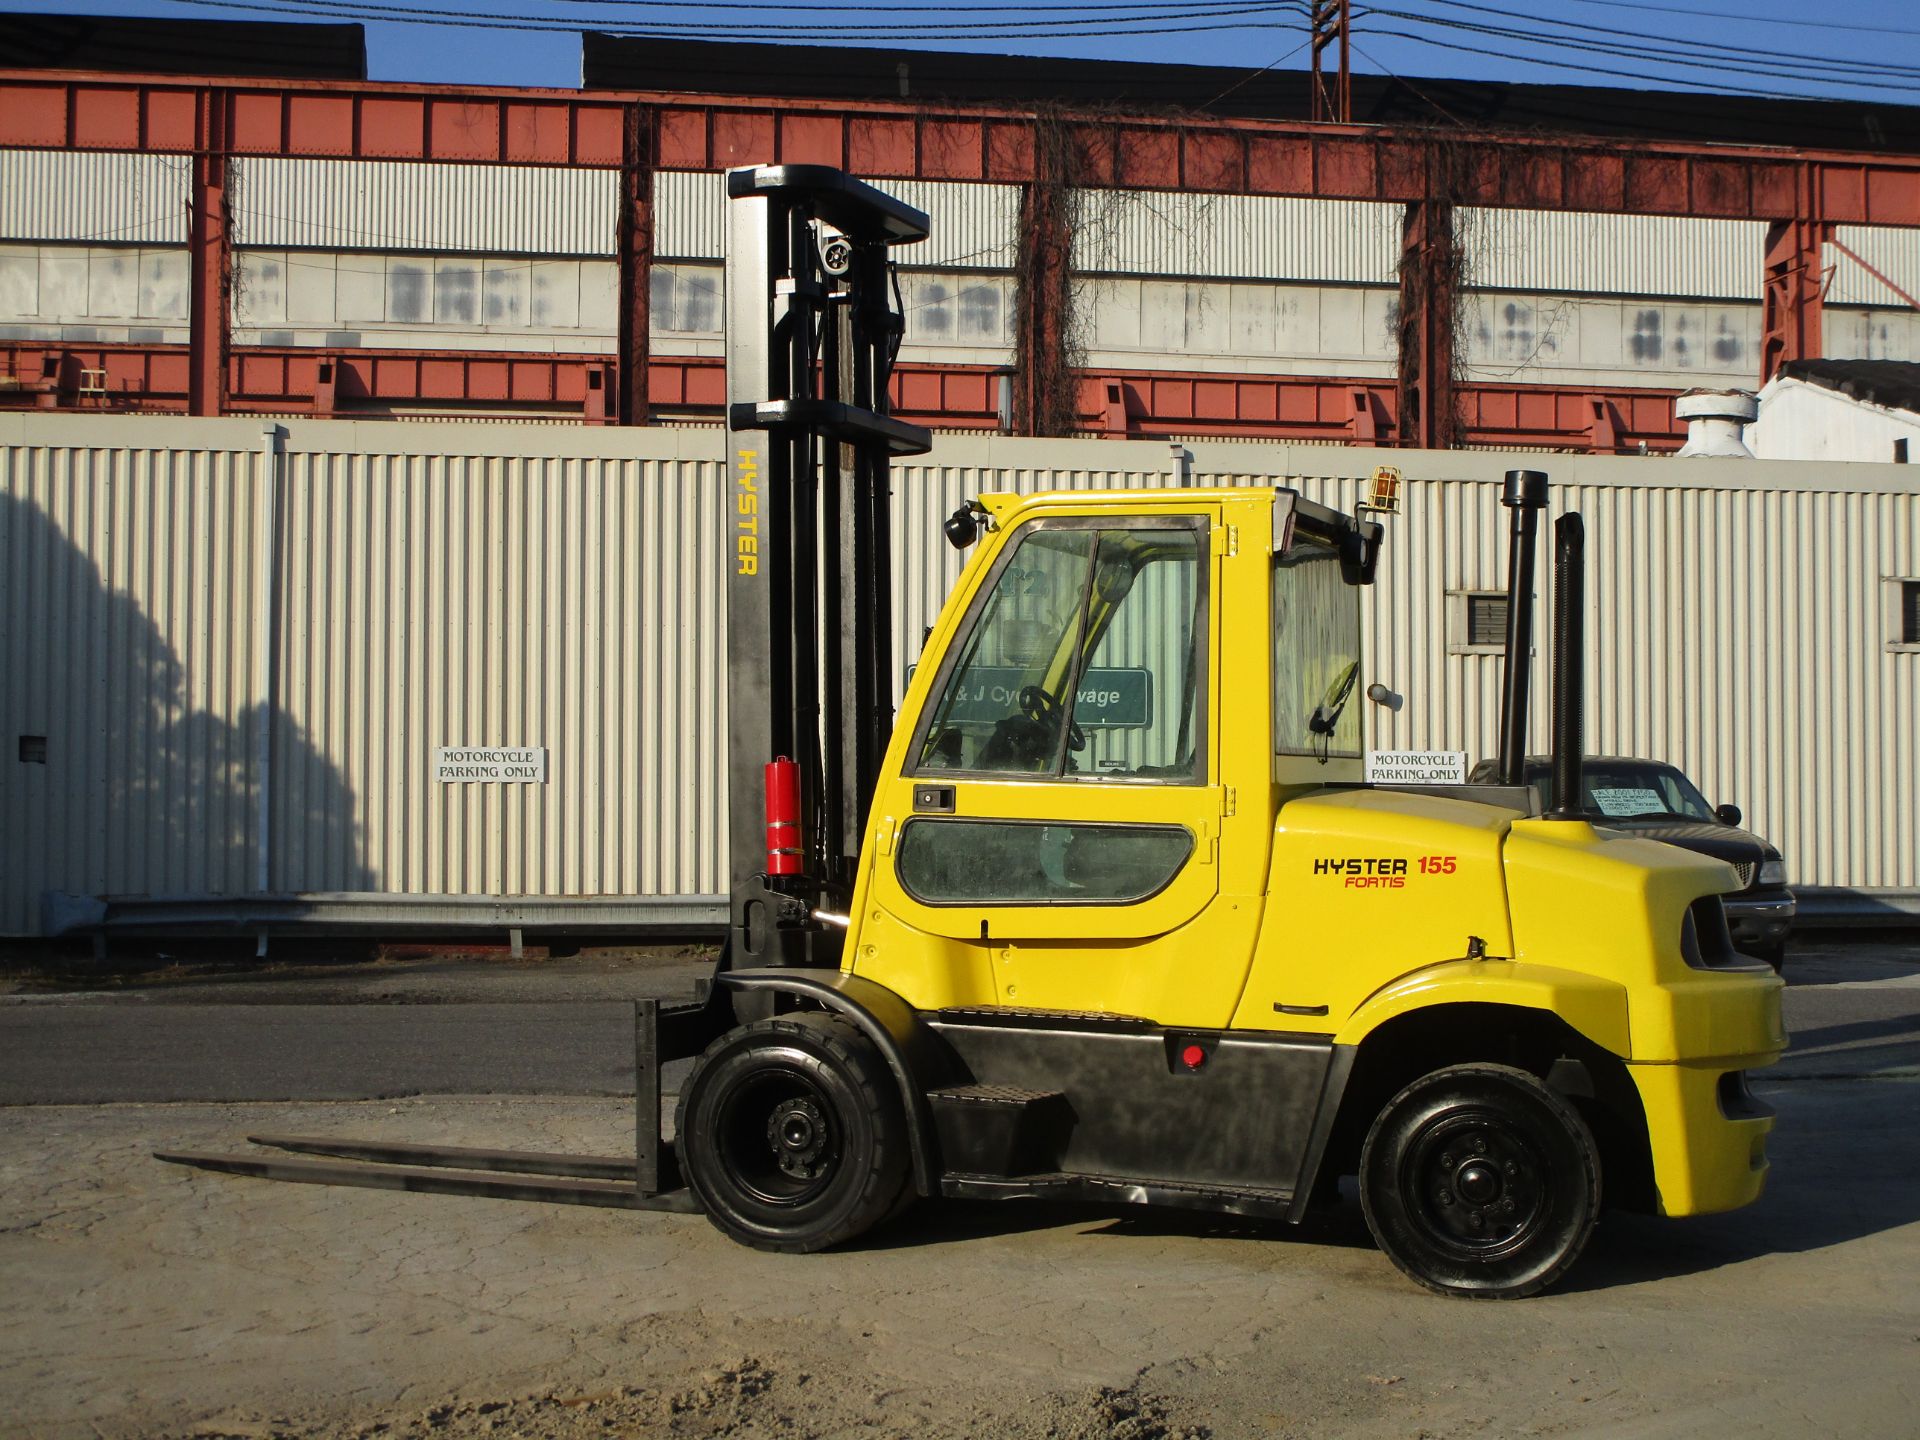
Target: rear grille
x,y
1745,872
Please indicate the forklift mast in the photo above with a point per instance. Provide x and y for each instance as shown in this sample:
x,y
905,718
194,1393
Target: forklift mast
x,y
813,326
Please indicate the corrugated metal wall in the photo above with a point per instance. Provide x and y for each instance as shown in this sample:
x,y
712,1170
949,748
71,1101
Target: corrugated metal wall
x,y
395,205
110,197
973,224
1613,254
468,598
1253,237
1894,253
128,575
505,585
342,205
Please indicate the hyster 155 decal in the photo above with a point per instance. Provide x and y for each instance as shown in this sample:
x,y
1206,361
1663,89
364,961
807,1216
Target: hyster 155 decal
x,y
1382,872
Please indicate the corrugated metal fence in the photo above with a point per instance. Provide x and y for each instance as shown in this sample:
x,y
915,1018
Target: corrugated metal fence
x,y
451,585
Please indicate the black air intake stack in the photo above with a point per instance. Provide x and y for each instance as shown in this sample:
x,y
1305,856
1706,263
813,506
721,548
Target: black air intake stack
x,y
1569,667
1526,496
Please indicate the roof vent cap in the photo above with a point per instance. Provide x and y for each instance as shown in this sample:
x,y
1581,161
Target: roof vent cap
x,y
1715,419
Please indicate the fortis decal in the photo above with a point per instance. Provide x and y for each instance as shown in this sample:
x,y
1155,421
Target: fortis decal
x,y
1381,872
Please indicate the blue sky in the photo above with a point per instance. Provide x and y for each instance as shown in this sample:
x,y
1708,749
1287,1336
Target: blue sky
x,y
1861,49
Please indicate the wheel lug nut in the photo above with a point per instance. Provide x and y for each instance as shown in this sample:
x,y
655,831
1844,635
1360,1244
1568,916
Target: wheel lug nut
x,y
1474,1219
1445,1197
1446,1158
1512,1170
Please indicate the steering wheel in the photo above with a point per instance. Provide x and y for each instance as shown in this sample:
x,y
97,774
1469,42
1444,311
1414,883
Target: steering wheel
x,y
1041,708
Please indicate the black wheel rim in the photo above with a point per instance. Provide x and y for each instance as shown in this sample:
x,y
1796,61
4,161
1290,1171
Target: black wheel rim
x,y
1478,1186
778,1138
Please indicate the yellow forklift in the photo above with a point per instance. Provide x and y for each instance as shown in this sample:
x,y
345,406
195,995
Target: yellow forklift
x,y
1106,912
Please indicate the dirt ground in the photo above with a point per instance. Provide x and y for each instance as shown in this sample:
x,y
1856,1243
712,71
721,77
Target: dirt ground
x,y
144,1299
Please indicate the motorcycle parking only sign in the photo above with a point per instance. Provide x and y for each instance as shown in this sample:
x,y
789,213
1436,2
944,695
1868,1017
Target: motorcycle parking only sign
x,y
1417,767
491,764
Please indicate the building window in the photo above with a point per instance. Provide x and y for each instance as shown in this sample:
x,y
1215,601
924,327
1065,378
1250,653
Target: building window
x,y
1904,629
1477,622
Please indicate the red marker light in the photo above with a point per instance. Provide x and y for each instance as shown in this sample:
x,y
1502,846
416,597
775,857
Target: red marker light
x,y
1193,1057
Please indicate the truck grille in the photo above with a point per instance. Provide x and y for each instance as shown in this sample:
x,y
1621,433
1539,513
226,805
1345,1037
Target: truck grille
x,y
1745,872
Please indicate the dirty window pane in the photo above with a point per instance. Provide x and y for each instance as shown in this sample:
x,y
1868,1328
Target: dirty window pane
x,y
987,862
1086,670
1316,655
1001,711
1137,699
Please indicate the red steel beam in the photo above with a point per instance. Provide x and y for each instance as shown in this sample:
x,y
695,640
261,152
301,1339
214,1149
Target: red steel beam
x,y
633,248
209,259
1125,403
1429,260
905,140
1043,388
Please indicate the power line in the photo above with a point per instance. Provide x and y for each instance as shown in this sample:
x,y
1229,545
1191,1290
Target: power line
x,y
1256,74
1747,17
1612,39
1589,68
1626,52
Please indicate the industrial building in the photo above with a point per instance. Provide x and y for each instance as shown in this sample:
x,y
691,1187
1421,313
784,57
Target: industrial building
x,y
1199,259
247,597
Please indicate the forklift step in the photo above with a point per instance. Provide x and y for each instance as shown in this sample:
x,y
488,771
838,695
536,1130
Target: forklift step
x,y
990,1095
1000,1129
1018,1017
436,1180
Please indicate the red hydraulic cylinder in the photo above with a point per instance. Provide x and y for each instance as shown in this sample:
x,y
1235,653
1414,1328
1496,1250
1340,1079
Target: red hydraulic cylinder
x,y
784,851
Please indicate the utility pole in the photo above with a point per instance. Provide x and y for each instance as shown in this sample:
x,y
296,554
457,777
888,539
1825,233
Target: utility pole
x,y
1332,22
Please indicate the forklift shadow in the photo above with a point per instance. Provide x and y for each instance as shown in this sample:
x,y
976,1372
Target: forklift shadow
x,y
953,1222
1845,1168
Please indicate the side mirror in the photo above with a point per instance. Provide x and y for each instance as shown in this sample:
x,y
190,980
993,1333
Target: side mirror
x,y
1729,814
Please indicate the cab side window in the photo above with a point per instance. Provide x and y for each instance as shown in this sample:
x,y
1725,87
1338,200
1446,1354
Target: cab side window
x,y
1085,657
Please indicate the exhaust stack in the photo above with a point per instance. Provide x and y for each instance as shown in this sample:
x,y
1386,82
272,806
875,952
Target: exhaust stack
x,y
1569,667
1526,496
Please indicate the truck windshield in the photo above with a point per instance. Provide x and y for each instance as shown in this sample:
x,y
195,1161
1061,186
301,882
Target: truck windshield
x,y
1316,655
1631,790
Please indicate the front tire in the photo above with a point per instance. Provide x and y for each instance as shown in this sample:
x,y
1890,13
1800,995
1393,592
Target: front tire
x,y
791,1134
1479,1181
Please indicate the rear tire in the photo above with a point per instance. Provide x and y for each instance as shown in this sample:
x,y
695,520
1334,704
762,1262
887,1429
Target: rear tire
x,y
1478,1181
792,1136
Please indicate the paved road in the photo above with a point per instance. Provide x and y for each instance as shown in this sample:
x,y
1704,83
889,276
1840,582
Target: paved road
x,y
564,1028
143,1299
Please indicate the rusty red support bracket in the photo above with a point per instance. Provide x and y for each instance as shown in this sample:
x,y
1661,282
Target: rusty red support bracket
x,y
1793,299
635,263
209,259
1603,436
1793,295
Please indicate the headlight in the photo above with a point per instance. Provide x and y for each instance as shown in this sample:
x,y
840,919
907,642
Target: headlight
x,y
1773,872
